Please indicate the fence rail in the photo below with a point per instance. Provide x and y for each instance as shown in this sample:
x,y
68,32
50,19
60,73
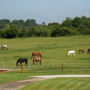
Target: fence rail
x,y
48,66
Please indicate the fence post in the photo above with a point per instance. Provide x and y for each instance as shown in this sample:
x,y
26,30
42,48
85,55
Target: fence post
x,y
21,67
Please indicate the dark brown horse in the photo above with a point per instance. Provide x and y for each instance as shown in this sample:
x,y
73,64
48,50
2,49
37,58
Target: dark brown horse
x,y
37,57
80,51
88,51
22,60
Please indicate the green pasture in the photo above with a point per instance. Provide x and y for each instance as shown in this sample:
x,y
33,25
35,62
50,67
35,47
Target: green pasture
x,y
60,84
54,54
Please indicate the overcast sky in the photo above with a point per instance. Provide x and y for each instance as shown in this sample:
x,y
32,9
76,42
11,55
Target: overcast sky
x,y
43,10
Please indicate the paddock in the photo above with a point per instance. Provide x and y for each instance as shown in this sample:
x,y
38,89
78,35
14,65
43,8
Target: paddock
x,y
54,52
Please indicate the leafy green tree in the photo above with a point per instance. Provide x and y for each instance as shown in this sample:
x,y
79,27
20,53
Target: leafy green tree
x,y
23,33
53,24
41,31
86,21
10,32
63,31
19,23
30,23
83,29
67,22
4,22
77,21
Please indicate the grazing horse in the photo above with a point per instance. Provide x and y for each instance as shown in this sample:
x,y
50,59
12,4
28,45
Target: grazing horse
x,y
3,47
80,51
71,52
36,54
88,51
36,57
22,60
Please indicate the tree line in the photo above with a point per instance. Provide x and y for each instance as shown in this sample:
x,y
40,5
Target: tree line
x,y
30,28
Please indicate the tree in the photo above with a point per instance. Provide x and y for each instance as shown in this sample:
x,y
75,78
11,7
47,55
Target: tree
x,y
41,31
83,29
67,22
63,31
30,23
4,23
53,24
19,23
77,21
23,33
10,32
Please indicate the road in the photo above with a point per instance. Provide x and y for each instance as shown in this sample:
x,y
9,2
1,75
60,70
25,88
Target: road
x,y
15,85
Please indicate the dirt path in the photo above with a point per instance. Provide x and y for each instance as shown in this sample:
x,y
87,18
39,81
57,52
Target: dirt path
x,y
15,85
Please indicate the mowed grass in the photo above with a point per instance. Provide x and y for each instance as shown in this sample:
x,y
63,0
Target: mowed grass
x,y
53,50
60,84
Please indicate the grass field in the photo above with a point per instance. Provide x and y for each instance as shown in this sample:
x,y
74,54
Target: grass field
x,y
53,50
54,54
60,84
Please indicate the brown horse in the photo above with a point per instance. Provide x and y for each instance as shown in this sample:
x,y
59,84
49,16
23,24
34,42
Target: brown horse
x,y
36,57
80,51
36,54
88,51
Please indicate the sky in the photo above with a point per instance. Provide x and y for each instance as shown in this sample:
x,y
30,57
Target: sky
x,y
47,11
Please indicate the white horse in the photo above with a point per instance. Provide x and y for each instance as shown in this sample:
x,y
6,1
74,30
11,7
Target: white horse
x,y
71,52
4,47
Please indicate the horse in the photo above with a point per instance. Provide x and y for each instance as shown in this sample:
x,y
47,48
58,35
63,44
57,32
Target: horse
x,y
37,57
88,51
36,54
71,52
22,60
3,47
80,51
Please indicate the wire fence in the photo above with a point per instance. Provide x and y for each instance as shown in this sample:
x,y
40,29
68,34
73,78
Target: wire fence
x,y
47,66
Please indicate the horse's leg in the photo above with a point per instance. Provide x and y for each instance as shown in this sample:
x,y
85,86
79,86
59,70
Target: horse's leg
x,y
16,63
33,61
25,63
